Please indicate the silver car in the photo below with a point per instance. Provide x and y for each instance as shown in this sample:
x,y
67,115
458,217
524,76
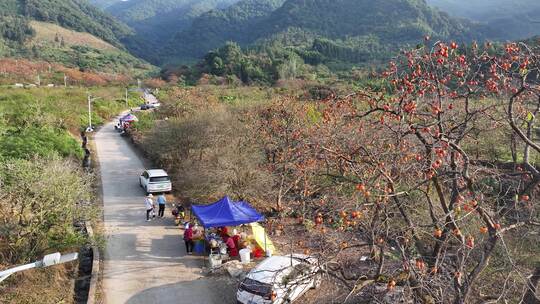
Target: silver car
x,y
279,280
155,181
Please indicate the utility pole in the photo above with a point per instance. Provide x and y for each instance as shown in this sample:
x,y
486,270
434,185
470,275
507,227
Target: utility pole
x,y
90,100
89,113
48,260
65,81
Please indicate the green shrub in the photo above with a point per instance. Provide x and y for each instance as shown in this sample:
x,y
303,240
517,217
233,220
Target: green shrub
x,y
146,121
45,142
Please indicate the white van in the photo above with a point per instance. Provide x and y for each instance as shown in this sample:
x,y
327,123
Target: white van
x,y
155,181
279,280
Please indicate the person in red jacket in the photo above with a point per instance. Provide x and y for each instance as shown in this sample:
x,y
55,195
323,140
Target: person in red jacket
x,y
188,239
223,233
231,246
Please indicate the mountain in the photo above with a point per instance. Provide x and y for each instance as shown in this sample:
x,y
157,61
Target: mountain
x,y
77,15
71,32
105,3
392,21
506,19
216,27
365,24
156,21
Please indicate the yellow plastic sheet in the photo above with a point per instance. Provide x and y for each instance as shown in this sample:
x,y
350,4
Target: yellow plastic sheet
x,y
261,238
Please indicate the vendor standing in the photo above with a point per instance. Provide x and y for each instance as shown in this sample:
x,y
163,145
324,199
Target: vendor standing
x,y
188,238
231,247
223,233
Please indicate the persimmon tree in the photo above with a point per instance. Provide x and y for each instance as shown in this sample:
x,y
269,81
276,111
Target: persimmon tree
x,y
284,128
445,96
394,168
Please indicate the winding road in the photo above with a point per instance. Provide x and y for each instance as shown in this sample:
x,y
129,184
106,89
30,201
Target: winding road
x,y
144,262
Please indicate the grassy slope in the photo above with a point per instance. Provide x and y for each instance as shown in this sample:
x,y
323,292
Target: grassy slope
x,y
81,50
59,107
78,15
47,33
69,32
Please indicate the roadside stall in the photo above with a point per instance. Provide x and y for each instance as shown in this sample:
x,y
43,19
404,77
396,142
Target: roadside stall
x,y
221,220
125,122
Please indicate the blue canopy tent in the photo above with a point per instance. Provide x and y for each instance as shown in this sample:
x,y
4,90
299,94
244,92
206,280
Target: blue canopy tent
x,y
226,212
129,118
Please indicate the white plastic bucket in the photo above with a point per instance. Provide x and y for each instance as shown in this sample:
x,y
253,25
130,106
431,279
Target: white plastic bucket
x,y
245,256
268,253
215,260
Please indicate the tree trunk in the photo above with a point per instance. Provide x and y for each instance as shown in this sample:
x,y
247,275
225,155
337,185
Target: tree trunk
x,y
513,148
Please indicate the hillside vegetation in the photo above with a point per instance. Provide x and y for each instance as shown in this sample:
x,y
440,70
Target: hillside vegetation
x,y
77,15
156,21
72,33
358,25
46,33
505,19
40,41
237,23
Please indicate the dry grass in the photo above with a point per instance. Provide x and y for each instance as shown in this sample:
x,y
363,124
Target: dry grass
x,y
47,32
50,285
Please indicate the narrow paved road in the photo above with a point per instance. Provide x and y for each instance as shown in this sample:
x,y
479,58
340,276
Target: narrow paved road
x,y
144,262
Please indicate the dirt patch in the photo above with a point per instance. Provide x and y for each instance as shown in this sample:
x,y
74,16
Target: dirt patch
x,y
48,285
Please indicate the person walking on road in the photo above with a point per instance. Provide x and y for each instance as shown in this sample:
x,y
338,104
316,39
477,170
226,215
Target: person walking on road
x,y
161,200
149,203
188,238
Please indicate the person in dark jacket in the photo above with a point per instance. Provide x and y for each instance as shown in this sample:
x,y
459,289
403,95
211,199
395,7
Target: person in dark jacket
x,y
84,139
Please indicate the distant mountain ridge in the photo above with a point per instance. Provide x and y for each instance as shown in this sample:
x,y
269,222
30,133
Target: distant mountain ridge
x,y
506,19
156,21
388,23
211,30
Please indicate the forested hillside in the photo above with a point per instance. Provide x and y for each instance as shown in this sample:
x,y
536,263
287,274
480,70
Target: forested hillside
x,y
73,33
156,21
357,26
238,23
506,19
73,14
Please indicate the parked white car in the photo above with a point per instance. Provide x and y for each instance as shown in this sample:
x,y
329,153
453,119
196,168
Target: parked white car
x,y
279,280
155,180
